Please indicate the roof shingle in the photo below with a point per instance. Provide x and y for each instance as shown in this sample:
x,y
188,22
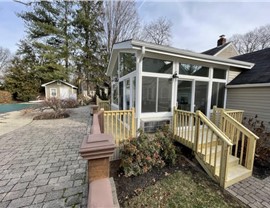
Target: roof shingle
x,y
260,73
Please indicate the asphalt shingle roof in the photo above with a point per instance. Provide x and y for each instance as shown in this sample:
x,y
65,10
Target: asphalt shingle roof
x,y
215,50
260,73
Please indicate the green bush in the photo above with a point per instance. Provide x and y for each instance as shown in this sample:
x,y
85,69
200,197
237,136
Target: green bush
x,y
141,154
164,137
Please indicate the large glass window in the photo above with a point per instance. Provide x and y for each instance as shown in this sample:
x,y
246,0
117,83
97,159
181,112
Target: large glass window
x,y
193,70
121,95
134,92
149,88
157,66
219,73
164,95
218,92
127,94
201,92
184,93
127,63
115,93
154,100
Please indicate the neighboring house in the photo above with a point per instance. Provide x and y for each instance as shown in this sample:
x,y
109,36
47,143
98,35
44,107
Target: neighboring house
x,y
250,90
60,89
154,79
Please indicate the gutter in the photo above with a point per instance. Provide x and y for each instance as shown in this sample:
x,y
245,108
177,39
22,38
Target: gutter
x,y
249,85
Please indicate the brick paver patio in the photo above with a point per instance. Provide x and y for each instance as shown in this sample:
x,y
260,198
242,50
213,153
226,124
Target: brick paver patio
x,y
40,165
253,192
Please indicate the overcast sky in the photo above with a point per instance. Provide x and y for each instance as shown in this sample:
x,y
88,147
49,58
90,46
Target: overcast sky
x,y
196,24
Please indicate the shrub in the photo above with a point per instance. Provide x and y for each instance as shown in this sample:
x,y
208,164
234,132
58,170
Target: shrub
x,y
69,103
141,154
263,143
164,137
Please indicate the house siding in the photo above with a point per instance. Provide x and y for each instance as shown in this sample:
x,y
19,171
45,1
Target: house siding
x,y
227,52
254,101
233,72
58,90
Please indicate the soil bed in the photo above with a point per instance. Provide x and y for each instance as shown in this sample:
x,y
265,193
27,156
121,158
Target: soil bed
x,y
129,187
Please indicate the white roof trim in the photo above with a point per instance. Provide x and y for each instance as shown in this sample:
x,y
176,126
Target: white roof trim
x,y
165,50
249,85
43,85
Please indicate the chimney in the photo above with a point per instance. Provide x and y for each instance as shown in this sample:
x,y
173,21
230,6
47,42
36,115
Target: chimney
x,y
221,40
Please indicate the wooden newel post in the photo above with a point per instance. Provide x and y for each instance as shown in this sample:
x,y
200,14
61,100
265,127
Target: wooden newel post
x,y
97,149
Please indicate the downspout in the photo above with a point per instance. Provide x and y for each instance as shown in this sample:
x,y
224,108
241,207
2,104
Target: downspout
x,y
139,85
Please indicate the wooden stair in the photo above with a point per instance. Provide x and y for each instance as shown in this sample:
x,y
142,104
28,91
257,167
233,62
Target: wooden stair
x,y
226,152
236,172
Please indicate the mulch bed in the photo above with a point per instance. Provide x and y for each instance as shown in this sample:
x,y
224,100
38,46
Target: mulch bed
x,y
128,187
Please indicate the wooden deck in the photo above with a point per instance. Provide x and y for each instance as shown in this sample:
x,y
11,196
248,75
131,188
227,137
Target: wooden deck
x,y
225,153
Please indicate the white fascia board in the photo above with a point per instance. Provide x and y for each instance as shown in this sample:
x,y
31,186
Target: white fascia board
x,y
190,55
208,59
43,85
249,85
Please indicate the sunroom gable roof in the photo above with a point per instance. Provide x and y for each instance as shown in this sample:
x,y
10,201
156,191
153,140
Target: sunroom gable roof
x,y
170,51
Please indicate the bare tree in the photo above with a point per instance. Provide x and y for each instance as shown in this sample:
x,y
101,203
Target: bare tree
x,y
158,31
121,21
5,57
255,40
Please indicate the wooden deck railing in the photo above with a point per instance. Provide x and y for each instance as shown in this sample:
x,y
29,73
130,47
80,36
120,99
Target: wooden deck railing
x,y
120,124
184,127
243,139
196,131
215,115
105,104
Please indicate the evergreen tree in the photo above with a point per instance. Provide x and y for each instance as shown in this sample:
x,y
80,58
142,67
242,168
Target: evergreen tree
x,y
89,56
48,28
21,78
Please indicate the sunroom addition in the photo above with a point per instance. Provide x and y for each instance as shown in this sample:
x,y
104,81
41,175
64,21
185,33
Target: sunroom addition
x,y
155,79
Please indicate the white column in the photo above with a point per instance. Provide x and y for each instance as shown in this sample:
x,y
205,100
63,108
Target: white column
x,y
209,94
139,65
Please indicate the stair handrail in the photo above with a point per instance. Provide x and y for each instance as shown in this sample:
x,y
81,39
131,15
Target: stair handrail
x,y
226,147
212,126
251,138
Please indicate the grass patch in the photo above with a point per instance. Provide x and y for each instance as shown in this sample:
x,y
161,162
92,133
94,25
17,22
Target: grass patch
x,y
184,189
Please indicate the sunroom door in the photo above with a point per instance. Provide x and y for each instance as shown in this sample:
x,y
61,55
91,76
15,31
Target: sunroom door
x,y
192,95
184,95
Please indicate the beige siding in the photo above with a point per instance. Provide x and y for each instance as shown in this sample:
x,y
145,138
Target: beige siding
x,y
228,52
233,72
58,89
254,101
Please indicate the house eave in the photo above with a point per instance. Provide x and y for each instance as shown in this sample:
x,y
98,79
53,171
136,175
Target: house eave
x,y
45,84
249,85
174,52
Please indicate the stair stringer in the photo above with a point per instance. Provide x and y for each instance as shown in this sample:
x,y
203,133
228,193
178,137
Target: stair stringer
x,y
205,167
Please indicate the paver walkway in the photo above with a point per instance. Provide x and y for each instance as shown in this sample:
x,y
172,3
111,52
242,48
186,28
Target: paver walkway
x,y
253,192
40,165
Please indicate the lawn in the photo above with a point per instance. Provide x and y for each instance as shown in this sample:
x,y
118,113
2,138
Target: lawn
x,y
183,189
181,185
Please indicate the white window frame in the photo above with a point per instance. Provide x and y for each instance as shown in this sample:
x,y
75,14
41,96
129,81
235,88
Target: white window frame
x,y
51,89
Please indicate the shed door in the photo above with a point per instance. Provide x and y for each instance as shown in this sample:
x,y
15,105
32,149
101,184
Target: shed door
x,y
64,93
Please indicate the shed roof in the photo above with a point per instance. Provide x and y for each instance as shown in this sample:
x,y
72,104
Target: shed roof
x,y
170,51
260,73
66,83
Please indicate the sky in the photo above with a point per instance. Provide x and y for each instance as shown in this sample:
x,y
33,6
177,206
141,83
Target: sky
x,y
196,25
